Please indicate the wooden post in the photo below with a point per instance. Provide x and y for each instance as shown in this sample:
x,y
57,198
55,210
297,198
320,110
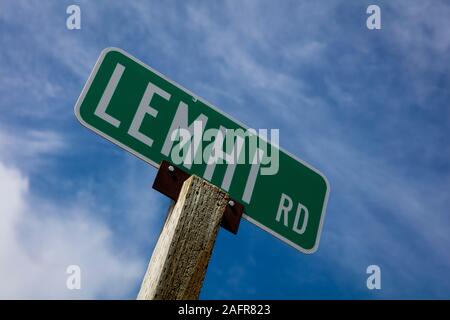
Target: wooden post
x,y
180,259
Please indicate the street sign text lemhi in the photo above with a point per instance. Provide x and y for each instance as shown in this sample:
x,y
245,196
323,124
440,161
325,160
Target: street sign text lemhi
x,y
154,118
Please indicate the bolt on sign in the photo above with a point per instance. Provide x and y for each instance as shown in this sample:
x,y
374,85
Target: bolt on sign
x,y
156,119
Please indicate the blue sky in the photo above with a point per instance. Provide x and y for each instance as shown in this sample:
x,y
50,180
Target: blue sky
x,y
370,109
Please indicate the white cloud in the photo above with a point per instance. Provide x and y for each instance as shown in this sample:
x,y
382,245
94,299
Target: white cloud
x,y
27,143
39,239
29,149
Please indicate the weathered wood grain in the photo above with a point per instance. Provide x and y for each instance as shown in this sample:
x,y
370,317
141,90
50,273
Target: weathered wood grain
x,y
180,259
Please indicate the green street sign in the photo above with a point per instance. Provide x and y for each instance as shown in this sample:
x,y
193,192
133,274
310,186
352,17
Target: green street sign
x,y
156,119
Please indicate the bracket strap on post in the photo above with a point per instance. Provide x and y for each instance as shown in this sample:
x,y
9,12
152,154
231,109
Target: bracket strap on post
x,y
169,181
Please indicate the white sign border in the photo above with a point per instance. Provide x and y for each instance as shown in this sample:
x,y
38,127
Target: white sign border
x,y
77,114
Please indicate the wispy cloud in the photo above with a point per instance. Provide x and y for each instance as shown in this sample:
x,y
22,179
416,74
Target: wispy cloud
x,y
370,109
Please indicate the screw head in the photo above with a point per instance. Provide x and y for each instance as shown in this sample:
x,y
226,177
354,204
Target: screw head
x,y
171,169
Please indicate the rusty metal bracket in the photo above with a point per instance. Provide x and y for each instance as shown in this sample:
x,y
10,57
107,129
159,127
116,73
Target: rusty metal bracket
x,y
232,216
169,181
